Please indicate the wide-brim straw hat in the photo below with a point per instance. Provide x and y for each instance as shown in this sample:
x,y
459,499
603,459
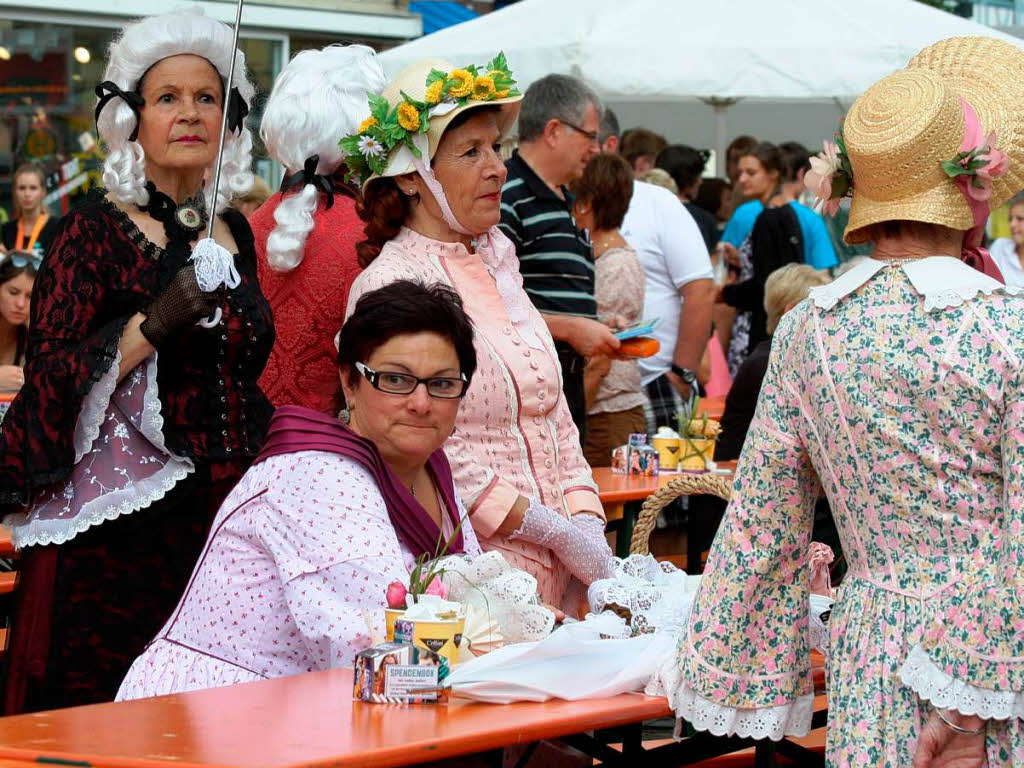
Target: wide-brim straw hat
x,y
901,130
413,82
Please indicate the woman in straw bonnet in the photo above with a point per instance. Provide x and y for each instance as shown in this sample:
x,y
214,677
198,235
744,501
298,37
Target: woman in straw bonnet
x,y
432,206
898,390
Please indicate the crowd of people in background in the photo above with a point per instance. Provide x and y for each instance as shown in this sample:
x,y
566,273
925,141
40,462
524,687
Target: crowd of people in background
x,y
436,329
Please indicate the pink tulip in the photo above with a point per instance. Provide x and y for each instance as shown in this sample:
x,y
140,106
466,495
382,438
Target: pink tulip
x,y
396,594
437,587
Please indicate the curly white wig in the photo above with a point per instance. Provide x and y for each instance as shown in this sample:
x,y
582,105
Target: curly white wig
x,y
141,45
318,98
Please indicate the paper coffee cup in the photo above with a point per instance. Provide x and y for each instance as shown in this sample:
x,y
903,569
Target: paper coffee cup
x,y
668,452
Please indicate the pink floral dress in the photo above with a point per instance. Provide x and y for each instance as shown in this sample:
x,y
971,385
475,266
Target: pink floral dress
x,y
899,391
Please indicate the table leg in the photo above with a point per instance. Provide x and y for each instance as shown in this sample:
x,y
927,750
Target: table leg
x,y
624,535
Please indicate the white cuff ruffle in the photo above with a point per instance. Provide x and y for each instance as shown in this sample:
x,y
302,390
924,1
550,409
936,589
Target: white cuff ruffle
x,y
775,723
929,682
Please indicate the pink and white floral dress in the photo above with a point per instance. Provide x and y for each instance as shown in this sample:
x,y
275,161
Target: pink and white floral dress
x,y
292,579
899,391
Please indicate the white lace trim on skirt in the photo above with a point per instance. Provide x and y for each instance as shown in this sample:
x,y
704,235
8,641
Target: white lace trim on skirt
x,y
929,682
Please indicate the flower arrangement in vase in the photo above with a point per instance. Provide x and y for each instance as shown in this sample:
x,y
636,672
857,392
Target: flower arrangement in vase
x,y
697,437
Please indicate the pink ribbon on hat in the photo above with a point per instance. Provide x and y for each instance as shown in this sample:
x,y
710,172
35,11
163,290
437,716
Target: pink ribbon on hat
x,y
973,253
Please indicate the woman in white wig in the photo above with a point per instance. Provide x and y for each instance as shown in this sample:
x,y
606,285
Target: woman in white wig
x,y
134,421
306,234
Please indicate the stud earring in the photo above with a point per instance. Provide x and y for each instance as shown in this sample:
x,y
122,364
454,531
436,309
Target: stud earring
x,y
345,415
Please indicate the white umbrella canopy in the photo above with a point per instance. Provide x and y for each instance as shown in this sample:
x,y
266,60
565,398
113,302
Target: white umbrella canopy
x,y
656,55
653,50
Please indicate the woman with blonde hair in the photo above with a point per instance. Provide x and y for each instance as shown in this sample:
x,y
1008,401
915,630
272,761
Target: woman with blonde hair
x,y
898,390
31,228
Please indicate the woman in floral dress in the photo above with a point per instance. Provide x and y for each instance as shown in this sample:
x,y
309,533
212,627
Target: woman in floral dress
x,y
898,390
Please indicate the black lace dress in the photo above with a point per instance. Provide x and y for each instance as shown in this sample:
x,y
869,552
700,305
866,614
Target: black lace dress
x,y
85,607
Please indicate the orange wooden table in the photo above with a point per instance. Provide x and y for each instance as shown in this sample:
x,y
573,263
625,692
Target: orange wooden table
x,y
619,488
306,720
6,548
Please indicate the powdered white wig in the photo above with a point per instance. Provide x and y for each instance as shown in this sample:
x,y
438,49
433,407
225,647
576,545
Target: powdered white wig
x,y
317,99
141,45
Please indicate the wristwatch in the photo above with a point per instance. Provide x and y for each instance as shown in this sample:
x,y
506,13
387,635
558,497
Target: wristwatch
x,y
685,374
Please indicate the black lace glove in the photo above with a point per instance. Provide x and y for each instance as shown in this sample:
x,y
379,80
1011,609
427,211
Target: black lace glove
x,y
182,303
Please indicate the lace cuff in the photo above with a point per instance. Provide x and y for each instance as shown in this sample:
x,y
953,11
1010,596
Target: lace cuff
x,y
122,463
775,723
94,409
929,682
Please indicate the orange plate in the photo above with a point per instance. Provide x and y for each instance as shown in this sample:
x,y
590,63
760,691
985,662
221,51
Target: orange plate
x,y
639,346
307,720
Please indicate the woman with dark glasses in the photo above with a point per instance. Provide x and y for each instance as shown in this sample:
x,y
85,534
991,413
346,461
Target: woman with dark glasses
x,y
294,573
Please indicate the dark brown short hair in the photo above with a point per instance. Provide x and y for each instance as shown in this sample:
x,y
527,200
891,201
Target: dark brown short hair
x,y
607,185
640,141
405,307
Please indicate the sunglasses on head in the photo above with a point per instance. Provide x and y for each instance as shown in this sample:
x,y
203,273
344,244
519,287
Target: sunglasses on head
x,y
22,259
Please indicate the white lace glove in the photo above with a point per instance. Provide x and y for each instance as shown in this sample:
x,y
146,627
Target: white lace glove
x,y
580,544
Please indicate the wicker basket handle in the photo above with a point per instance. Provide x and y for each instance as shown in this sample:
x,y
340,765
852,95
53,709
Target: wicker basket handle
x,y
684,485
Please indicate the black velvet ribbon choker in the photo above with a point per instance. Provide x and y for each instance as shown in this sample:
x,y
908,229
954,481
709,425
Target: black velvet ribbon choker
x,y
182,223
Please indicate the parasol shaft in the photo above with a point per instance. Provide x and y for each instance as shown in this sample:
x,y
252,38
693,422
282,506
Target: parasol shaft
x,y
224,118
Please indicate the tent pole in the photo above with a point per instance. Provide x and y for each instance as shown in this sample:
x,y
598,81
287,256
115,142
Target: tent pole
x,y
719,105
720,142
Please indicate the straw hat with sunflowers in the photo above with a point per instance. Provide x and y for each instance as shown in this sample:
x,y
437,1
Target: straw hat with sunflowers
x,y
409,116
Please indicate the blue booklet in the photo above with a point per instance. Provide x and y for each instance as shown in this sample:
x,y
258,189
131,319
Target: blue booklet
x,y
637,329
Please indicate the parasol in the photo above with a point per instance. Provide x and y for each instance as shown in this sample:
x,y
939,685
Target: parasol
x,y
214,264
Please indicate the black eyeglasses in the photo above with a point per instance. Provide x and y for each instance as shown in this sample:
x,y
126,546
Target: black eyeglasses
x,y
592,135
392,383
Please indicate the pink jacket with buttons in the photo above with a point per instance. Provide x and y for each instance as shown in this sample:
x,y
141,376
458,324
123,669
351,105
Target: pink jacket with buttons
x,y
514,435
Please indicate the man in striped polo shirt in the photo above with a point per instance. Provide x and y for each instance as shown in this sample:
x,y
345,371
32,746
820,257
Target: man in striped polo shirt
x,y
558,125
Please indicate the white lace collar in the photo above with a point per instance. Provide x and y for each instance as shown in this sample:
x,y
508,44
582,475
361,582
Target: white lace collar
x,y
943,281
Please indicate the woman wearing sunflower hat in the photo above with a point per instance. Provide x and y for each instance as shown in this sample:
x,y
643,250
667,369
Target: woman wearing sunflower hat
x,y
898,390
431,174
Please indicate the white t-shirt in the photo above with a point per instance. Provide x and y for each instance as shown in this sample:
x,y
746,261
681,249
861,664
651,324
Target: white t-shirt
x,y
671,250
1004,254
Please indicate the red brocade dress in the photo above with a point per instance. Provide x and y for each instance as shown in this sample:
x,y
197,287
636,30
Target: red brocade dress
x,y
96,583
309,303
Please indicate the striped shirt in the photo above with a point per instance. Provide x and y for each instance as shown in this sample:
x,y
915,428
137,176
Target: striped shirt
x,y
555,258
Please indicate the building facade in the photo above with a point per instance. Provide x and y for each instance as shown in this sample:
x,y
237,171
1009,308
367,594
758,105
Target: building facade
x,y
52,55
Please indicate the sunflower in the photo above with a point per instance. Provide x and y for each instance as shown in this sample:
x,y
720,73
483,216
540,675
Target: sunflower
x,y
483,88
434,92
490,75
367,124
408,116
461,81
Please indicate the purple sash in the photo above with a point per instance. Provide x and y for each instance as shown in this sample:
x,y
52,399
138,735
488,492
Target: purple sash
x,y
294,429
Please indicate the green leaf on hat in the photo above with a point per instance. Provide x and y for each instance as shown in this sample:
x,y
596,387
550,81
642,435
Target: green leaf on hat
x,y
421,106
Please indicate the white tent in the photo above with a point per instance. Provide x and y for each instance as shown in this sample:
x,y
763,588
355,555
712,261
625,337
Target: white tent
x,y
790,67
